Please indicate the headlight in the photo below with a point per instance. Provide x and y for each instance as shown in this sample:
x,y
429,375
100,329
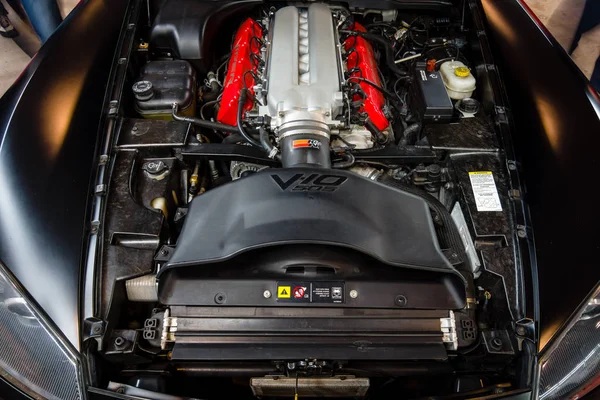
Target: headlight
x,y
33,356
570,367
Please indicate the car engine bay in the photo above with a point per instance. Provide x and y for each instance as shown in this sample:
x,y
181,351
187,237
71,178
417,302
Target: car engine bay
x,y
309,199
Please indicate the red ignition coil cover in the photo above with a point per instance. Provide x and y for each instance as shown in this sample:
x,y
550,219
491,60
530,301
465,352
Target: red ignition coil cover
x,y
240,62
362,57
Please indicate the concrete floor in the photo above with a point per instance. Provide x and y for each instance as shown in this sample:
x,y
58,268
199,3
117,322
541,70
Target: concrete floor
x,y
560,16
12,59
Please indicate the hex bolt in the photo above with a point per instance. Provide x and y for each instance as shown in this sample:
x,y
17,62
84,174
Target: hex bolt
x,y
267,294
119,341
353,294
400,301
496,344
220,298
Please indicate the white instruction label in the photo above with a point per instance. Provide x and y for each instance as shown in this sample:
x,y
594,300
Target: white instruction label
x,y
484,189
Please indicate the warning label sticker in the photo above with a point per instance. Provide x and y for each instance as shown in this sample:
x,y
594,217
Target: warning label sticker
x,y
310,292
284,292
299,292
485,192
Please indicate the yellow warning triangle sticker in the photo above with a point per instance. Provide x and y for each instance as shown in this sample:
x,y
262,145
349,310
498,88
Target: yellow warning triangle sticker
x,y
283,292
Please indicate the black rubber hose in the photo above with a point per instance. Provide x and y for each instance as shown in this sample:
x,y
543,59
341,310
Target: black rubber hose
x,y
387,46
410,131
392,98
449,234
215,88
349,161
236,138
203,123
380,138
241,130
213,94
267,145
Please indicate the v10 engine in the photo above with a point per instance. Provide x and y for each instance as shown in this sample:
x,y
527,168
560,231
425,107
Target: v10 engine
x,y
304,80
299,75
306,199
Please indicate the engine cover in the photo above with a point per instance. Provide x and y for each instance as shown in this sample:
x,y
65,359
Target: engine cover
x,y
304,71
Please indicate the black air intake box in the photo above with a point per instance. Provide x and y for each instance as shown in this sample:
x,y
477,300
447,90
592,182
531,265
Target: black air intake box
x,y
318,235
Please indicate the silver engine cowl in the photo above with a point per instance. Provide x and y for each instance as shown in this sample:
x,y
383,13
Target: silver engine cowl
x,y
304,78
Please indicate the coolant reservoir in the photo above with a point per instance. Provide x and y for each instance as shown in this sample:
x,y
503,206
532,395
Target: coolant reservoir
x,y
459,81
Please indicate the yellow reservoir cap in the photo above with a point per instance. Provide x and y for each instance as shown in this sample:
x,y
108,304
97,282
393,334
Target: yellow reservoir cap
x,y
462,72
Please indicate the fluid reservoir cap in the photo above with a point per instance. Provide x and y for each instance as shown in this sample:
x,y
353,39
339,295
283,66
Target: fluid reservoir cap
x,y
462,72
468,107
143,90
155,167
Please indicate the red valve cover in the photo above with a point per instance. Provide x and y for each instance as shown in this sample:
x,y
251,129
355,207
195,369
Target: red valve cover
x,y
240,62
363,58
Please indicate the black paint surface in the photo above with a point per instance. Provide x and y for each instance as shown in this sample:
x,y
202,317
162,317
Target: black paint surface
x,y
48,130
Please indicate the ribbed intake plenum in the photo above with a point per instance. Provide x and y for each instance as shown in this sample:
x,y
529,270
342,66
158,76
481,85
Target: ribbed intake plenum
x,y
303,48
303,71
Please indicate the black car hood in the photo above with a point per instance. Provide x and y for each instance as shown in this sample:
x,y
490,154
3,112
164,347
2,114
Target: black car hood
x,y
49,122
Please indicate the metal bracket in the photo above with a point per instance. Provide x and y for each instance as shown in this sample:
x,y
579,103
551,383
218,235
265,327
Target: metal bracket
x,y
113,107
448,327
164,254
169,329
525,330
100,189
498,342
92,328
95,227
514,194
501,117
